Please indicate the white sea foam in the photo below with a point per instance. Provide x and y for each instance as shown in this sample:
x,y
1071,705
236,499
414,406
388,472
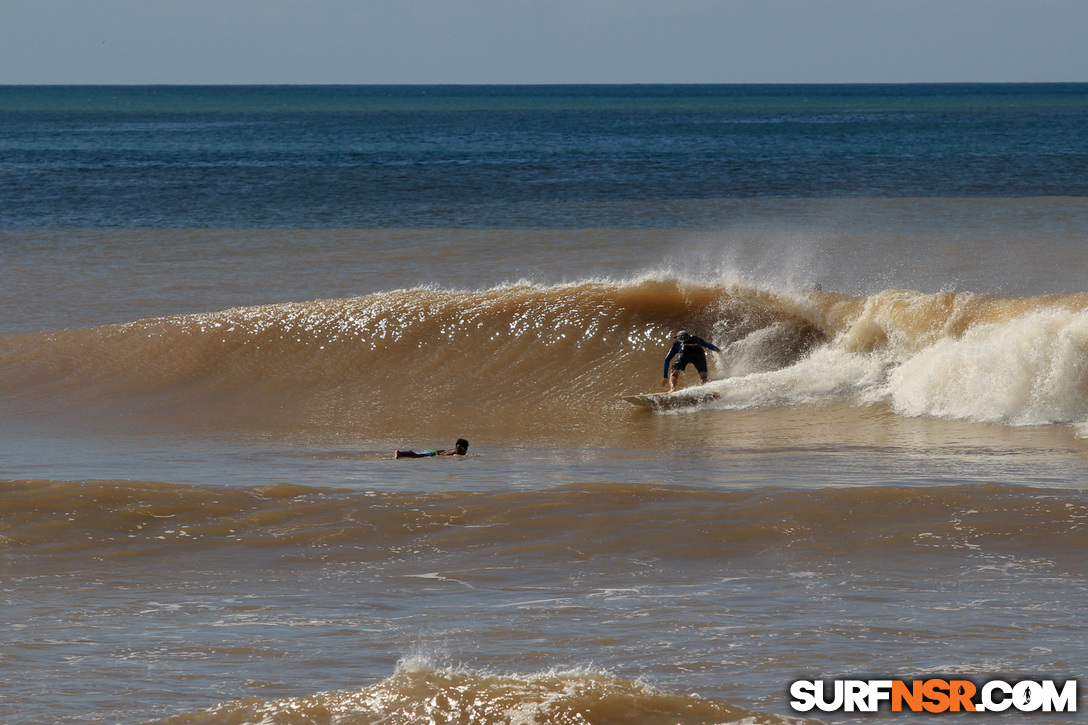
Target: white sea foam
x,y
1029,371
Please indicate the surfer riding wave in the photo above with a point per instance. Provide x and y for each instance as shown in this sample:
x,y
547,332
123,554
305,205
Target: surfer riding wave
x,y
687,350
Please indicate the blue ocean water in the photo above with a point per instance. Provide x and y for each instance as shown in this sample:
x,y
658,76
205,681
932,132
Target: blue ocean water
x,y
517,157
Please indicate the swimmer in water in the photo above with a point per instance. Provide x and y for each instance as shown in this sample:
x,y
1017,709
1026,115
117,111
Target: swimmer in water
x,y
460,448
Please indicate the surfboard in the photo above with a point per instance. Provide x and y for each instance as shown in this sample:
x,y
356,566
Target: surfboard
x,y
677,399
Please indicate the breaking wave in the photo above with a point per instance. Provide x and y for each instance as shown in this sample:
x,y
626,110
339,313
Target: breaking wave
x,y
524,360
418,692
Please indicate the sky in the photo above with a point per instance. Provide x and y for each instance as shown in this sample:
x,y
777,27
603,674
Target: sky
x,y
541,41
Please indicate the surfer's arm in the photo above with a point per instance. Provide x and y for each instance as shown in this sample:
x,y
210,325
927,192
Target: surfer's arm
x,y
668,358
709,346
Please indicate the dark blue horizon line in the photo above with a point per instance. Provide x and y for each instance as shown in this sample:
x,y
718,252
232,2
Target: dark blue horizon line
x,y
906,84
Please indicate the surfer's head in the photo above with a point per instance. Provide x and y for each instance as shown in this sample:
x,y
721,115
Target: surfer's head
x,y
683,336
461,445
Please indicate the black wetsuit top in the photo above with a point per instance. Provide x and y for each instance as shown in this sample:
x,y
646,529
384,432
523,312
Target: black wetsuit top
x,y
691,351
